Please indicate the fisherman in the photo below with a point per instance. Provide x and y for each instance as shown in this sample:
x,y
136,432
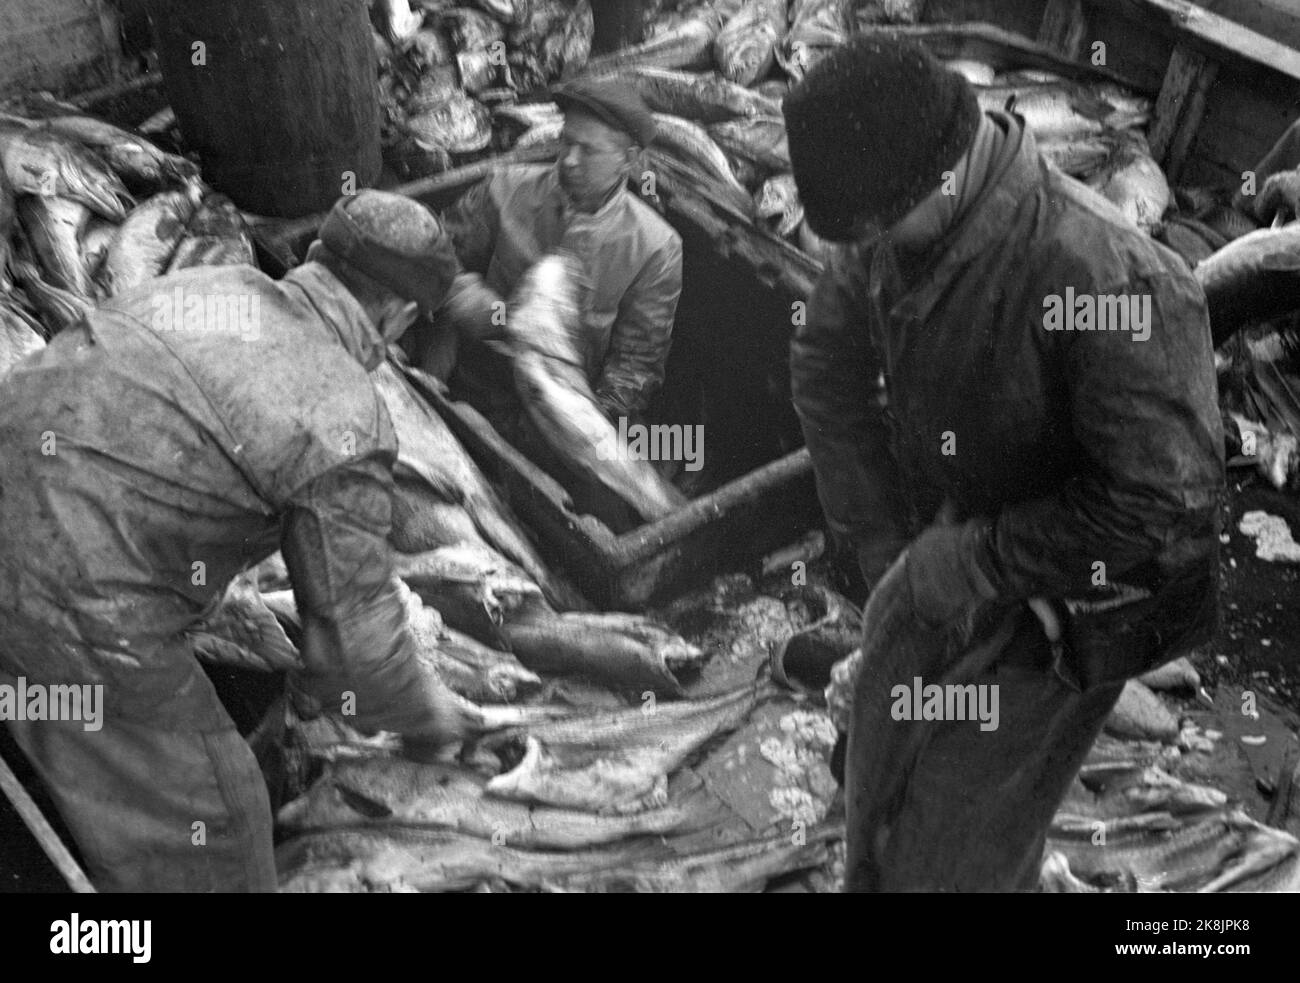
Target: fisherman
x,y
1047,494
631,258
180,434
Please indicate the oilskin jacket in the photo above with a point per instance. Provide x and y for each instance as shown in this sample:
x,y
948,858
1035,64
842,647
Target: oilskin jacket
x,y
186,430
1098,455
632,259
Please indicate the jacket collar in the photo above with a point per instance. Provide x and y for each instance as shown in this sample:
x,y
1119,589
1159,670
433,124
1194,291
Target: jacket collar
x,y
336,306
982,229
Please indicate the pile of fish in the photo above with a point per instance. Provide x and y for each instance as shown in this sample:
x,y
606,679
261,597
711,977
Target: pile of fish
x,y
715,74
88,210
564,794
1128,825
444,70
726,790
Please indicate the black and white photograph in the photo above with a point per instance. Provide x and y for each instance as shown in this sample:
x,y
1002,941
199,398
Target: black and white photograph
x,y
652,446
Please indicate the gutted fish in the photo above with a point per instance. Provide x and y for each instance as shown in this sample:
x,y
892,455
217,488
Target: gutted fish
x,y
37,161
557,397
618,761
54,226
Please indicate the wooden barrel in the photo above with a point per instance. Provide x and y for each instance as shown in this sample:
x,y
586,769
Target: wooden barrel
x,y
279,97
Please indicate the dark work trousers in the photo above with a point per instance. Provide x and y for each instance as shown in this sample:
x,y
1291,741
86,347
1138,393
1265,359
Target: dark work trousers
x,y
943,805
132,794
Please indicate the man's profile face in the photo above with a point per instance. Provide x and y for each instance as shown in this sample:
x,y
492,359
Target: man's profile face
x,y
594,157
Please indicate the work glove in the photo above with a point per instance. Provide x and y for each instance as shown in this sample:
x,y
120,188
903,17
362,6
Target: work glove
x,y
1281,192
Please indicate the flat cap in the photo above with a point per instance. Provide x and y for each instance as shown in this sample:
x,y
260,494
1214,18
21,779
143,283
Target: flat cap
x,y
613,103
395,241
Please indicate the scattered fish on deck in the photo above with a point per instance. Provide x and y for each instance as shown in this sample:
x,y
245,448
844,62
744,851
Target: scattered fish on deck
x,y
618,761
398,791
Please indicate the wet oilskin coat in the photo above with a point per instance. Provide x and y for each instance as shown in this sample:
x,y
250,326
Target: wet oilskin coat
x,y
144,468
631,257
1084,448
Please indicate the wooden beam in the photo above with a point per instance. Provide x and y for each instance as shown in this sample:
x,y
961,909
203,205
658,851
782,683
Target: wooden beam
x,y
277,234
42,831
1064,27
1209,33
1004,50
1180,107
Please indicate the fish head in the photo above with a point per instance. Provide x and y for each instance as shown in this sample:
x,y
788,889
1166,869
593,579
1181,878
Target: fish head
x,y
546,312
750,57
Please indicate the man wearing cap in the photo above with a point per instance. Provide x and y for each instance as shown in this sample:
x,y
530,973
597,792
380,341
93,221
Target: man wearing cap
x,y
182,433
1033,499
632,258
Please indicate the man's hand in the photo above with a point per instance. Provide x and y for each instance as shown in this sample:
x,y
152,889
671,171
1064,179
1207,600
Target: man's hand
x,y
1281,192
944,575
474,309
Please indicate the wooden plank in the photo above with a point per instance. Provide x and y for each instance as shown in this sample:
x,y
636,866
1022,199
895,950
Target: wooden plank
x,y
1208,32
1004,50
1276,19
1246,110
52,44
276,234
42,831
1024,16
1180,106
1193,115
1064,27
